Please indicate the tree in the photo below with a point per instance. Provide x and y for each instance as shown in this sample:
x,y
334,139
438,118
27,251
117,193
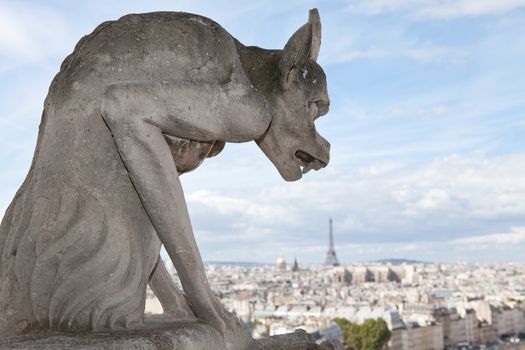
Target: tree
x,y
374,334
371,335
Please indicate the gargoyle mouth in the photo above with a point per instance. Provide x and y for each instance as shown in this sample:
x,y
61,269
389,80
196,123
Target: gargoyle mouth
x,y
308,162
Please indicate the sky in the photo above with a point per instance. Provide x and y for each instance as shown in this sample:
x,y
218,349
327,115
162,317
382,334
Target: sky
x,y
427,127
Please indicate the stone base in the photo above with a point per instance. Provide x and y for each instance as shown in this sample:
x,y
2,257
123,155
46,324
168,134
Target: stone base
x,y
182,336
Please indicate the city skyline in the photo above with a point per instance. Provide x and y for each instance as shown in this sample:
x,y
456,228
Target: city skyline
x,y
426,126
424,306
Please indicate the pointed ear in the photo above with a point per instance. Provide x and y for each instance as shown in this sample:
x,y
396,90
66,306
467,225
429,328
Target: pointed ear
x,y
304,44
315,22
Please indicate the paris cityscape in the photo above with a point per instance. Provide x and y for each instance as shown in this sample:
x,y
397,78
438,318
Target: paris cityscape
x,y
425,180
425,305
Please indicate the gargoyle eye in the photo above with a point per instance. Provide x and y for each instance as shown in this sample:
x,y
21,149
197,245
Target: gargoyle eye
x,y
314,110
321,107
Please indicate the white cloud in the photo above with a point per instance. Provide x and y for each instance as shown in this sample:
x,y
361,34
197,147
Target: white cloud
x,y
468,8
13,36
379,169
401,206
256,209
433,199
33,32
515,236
423,54
436,9
473,187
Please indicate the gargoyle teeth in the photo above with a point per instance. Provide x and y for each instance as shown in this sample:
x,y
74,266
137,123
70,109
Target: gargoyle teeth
x,y
315,164
308,167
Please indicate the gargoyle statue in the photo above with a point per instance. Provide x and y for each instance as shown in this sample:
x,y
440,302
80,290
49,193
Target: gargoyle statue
x,y
139,102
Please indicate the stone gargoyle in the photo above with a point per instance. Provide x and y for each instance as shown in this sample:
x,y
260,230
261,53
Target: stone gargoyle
x,y
139,102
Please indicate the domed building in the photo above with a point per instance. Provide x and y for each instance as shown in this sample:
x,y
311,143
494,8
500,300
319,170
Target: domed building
x,y
280,264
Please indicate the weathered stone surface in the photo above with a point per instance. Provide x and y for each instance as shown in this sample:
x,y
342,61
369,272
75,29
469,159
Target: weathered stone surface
x,y
181,337
188,336
139,102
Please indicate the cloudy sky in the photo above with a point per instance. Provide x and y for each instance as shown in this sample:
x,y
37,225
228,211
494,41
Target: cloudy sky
x,y
427,126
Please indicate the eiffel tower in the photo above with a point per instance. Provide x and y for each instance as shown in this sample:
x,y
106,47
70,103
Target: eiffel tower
x,y
331,258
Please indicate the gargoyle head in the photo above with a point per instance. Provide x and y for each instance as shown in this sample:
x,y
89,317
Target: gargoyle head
x,y
291,141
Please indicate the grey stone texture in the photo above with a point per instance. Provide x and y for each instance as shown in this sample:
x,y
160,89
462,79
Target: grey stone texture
x,y
185,336
139,102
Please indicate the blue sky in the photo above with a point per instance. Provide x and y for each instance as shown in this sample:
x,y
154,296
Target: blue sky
x,y
427,126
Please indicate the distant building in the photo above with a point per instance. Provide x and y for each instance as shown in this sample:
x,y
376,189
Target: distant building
x,y
373,273
280,264
361,274
454,326
295,267
418,337
331,258
485,333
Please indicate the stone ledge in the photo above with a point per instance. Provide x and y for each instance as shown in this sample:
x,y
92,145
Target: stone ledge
x,y
184,336
187,336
